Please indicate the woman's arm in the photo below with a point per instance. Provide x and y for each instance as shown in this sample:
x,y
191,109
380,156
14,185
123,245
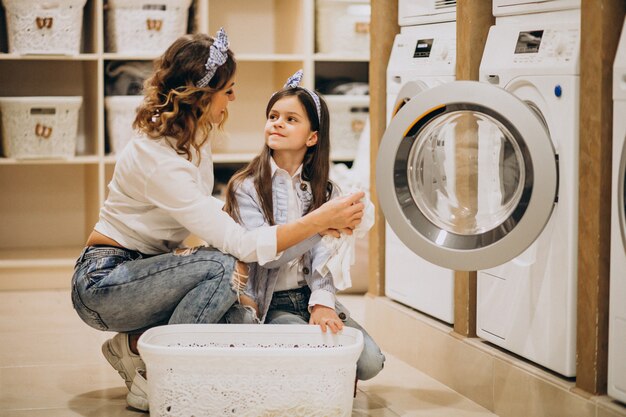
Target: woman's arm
x,y
174,189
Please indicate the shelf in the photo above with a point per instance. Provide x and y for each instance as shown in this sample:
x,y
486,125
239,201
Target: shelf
x,y
91,159
270,57
218,158
112,56
340,58
18,57
39,257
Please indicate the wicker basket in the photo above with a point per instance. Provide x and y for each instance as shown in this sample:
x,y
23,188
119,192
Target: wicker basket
x,y
39,127
250,370
120,115
145,27
348,115
44,27
343,27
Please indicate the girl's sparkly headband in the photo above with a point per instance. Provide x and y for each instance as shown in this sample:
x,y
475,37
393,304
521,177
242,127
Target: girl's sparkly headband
x,y
217,56
294,81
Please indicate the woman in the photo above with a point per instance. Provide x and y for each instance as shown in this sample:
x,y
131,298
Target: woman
x,y
133,274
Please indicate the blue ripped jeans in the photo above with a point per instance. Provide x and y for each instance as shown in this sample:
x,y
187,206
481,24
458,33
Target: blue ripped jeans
x,y
292,307
125,291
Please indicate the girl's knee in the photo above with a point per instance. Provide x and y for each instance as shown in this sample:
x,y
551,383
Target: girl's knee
x,y
370,363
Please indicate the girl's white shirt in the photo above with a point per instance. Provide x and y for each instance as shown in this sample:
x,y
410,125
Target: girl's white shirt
x,y
290,275
157,198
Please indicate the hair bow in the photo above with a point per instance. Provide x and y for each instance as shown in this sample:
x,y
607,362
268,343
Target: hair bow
x,y
217,56
294,81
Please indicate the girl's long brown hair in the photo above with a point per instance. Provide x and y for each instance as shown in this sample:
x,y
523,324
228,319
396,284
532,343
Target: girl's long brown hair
x,y
173,106
315,166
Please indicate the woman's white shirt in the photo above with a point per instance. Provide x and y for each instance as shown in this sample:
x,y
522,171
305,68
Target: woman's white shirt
x,y
157,198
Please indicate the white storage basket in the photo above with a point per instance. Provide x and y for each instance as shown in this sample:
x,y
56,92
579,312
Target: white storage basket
x,y
343,27
348,115
120,115
145,27
44,27
250,370
39,127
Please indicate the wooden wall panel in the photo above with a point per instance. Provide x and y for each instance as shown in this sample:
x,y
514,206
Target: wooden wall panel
x,y
601,23
474,18
383,28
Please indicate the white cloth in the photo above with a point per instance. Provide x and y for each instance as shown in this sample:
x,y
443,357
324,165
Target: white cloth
x,y
157,198
341,250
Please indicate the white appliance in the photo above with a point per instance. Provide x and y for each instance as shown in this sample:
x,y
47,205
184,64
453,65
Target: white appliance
x,y
617,306
515,7
419,12
528,305
422,57
506,153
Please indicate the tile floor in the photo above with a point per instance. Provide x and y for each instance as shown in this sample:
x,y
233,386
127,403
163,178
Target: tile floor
x,y
51,365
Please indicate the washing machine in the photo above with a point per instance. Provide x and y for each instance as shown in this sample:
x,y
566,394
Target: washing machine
x,y
422,57
517,7
506,153
617,306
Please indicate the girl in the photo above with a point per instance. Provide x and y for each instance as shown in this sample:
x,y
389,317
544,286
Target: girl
x,y
286,181
132,274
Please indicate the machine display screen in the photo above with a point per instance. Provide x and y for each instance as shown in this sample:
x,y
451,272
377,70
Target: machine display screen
x,y
528,42
422,48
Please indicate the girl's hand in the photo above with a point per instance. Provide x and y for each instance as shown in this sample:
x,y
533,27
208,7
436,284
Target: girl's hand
x,y
326,318
341,213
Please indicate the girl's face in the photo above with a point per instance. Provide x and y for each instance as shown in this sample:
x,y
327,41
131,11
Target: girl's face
x,y
220,100
288,127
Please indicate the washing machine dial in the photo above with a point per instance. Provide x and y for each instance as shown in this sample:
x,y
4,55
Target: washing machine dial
x,y
443,53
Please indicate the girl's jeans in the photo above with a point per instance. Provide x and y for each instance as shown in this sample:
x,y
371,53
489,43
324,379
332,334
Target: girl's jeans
x,y
292,307
124,291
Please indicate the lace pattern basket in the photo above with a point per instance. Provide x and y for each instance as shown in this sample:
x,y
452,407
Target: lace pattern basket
x,y
145,27
44,27
120,115
343,27
250,370
39,127
348,115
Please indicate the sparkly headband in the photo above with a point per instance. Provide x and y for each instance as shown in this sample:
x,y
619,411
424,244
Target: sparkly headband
x,y
217,56
294,81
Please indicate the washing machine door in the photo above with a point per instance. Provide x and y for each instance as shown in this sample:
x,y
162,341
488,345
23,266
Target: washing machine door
x,y
408,91
466,175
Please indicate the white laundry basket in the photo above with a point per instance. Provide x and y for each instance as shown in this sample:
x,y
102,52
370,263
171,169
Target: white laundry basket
x,y
44,27
343,27
145,27
39,127
348,115
250,370
120,115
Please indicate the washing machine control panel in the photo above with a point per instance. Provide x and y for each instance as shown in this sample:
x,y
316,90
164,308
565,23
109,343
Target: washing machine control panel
x,y
536,46
410,51
532,49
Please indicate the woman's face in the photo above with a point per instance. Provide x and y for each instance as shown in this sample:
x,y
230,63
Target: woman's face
x,y
219,101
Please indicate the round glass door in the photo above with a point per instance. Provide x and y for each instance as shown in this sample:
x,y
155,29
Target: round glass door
x,y
466,175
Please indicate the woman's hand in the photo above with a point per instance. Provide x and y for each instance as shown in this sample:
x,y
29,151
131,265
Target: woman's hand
x,y
335,232
326,318
341,213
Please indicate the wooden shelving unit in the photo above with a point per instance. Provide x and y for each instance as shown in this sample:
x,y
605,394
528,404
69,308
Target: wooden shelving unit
x,y
50,206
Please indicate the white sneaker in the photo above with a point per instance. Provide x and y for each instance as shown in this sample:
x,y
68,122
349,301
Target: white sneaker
x,y
117,352
137,397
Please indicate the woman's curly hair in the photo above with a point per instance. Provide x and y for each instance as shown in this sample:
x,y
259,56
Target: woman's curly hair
x,y
173,106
